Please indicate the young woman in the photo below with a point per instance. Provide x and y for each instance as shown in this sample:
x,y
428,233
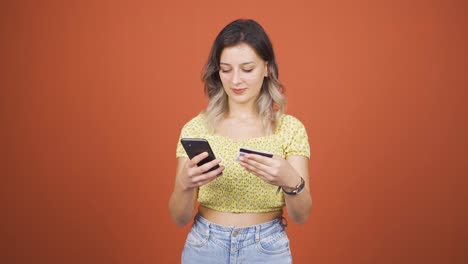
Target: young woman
x,y
239,217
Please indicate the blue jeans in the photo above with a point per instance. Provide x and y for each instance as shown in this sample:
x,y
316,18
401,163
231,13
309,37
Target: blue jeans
x,y
211,243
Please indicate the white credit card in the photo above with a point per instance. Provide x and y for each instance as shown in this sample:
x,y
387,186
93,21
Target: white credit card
x,y
244,150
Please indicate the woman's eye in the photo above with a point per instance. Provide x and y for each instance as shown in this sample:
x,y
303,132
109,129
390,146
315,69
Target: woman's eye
x,y
247,70
225,70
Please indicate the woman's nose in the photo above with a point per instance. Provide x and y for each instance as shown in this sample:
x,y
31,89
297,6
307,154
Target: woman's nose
x,y
236,78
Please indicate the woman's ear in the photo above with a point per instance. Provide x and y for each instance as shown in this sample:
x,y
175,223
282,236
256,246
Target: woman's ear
x,y
266,69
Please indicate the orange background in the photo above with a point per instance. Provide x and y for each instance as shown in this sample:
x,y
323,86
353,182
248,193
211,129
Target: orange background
x,y
94,94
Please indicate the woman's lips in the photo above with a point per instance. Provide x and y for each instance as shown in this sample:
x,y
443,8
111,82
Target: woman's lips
x,y
239,91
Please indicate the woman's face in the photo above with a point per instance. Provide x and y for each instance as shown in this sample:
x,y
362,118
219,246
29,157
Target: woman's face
x,y
242,72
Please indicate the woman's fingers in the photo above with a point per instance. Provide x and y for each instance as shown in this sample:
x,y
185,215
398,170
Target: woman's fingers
x,y
195,160
256,163
268,169
207,166
201,175
206,178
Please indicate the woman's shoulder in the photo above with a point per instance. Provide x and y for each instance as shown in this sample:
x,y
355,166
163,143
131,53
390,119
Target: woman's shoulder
x,y
294,136
288,122
195,124
198,119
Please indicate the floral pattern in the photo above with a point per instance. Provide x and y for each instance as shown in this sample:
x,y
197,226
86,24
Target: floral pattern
x,y
237,190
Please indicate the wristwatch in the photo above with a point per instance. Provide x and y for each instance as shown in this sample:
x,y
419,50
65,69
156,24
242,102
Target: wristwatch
x,y
298,189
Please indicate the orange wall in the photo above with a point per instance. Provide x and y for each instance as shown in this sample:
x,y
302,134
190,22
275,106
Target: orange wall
x,y
94,94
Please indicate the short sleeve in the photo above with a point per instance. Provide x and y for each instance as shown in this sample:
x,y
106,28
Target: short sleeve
x,y
296,142
193,129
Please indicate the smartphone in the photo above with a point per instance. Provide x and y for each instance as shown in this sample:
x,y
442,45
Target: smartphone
x,y
195,146
244,150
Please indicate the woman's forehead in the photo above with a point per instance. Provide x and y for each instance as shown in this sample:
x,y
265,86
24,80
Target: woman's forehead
x,y
241,54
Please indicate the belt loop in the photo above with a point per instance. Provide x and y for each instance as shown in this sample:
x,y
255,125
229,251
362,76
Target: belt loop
x,y
195,219
257,233
207,232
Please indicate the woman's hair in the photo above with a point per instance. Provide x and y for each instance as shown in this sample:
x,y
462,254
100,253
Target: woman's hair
x,y
271,101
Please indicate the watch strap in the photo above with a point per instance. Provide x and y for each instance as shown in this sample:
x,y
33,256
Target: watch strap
x,y
298,189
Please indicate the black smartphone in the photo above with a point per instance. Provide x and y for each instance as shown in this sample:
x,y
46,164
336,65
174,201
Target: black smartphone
x,y
195,146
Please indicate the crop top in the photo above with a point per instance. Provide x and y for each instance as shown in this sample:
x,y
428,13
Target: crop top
x,y
237,190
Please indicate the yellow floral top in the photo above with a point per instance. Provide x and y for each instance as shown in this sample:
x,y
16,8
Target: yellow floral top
x,y
237,190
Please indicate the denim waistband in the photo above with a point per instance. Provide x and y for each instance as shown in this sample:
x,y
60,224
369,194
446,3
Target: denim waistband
x,y
278,222
264,242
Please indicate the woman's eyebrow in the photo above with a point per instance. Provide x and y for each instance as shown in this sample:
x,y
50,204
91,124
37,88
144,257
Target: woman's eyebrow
x,y
244,63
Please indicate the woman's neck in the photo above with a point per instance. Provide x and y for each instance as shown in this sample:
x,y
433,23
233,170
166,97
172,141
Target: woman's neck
x,y
241,112
240,123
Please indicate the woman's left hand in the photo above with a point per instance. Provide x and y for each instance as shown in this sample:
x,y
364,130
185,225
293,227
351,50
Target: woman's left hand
x,y
276,170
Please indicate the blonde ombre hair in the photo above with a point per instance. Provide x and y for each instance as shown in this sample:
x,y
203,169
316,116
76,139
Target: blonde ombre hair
x,y
271,101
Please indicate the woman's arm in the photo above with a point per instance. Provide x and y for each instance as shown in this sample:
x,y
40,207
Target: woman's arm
x,y
182,202
286,173
299,205
189,178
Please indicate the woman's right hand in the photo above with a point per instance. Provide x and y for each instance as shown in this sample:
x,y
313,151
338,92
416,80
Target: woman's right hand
x,y
191,176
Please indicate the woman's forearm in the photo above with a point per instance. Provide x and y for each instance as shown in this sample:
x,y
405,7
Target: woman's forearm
x,y
299,206
181,205
183,198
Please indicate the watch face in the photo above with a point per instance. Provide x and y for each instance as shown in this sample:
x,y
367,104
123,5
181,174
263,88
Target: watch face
x,y
299,187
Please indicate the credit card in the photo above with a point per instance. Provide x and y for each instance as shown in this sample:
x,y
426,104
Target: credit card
x,y
244,150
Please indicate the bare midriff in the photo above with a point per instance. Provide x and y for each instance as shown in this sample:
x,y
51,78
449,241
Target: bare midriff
x,y
237,219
